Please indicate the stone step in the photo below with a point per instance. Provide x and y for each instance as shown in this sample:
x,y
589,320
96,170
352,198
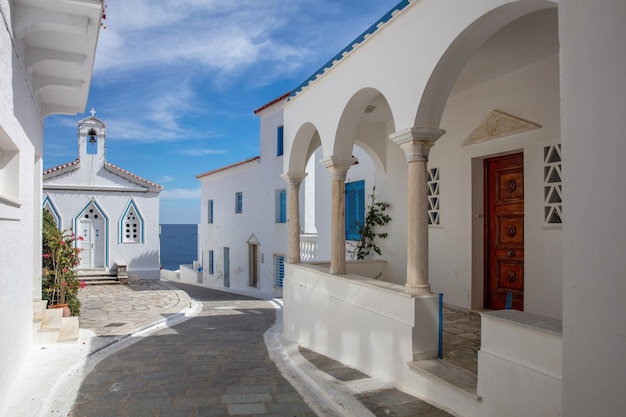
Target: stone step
x,y
447,373
50,328
69,331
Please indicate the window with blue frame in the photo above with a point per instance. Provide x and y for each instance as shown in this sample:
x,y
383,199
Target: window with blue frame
x,y
210,211
281,206
211,263
355,209
238,202
279,140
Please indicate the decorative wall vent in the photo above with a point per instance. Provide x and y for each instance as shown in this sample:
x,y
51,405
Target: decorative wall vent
x,y
433,196
498,124
553,189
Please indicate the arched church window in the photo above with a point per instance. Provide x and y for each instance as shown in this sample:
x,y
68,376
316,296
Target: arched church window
x,y
131,225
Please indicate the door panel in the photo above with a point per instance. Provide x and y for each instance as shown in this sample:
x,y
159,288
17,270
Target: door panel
x,y
504,234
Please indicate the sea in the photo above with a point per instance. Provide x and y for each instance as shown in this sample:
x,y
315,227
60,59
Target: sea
x,y
179,245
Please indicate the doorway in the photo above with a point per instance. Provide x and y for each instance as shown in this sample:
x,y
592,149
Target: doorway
x,y
504,231
226,267
92,230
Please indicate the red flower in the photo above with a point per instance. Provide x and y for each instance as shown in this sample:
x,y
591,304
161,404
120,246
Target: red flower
x,y
64,270
80,238
62,242
72,234
82,284
47,255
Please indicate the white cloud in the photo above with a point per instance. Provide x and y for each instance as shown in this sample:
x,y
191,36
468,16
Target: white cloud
x,y
180,194
165,179
201,152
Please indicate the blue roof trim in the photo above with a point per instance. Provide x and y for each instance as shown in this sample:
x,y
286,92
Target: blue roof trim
x,y
359,39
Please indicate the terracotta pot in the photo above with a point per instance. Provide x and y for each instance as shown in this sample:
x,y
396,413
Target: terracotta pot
x,y
65,307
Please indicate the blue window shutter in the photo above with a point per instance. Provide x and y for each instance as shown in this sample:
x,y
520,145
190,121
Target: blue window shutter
x,y
283,206
210,209
279,140
211,264
355,209
279,270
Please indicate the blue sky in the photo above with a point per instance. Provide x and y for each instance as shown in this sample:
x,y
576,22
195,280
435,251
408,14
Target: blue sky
x,y
177,81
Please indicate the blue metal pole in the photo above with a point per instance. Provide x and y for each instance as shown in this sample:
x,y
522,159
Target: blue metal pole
x,y
440,350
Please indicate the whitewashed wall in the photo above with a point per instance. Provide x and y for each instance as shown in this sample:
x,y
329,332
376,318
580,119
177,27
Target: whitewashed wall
x,y
593,92
21,131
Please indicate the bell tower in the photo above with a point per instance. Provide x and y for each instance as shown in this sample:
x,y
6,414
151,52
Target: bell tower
x,y
92,140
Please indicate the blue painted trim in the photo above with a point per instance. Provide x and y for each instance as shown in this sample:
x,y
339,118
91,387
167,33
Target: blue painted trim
x,y
106,227
48,200
132,204
359,39
509,301
440,349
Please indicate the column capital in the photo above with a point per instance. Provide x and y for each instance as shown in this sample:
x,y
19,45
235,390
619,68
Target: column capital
x,y
416,141
338,166
294,179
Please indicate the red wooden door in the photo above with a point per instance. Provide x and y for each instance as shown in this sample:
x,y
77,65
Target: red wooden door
x,y
504,234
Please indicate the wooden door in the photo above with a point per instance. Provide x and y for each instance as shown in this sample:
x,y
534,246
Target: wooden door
x,y
504,234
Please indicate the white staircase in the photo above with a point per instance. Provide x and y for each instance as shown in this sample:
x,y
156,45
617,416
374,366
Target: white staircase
x,y
49,325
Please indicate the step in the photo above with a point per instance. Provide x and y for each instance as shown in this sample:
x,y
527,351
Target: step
x,y
39,308
448,374
69,330
50,328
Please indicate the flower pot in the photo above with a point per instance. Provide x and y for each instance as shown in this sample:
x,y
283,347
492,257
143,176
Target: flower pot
x,y
65,307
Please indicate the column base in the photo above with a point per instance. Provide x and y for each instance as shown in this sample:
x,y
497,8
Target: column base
x,y
418,289
294,260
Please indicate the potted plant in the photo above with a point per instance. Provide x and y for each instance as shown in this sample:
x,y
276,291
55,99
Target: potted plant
x,y
59,282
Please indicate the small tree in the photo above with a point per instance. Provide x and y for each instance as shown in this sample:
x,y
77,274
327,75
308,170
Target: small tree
x,y
59,282
375,216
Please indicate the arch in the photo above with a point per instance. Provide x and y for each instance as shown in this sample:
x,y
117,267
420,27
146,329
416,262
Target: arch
x,y
92,225
305,141
131,224
49,206
456,56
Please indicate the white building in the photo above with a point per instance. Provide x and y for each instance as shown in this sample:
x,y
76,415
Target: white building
x,y
243,231
496,132
115,211
47,51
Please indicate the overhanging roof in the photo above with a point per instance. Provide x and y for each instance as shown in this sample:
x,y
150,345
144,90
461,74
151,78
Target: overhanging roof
x,y
55,41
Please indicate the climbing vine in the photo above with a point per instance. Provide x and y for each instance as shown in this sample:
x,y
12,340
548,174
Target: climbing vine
x,y
375,216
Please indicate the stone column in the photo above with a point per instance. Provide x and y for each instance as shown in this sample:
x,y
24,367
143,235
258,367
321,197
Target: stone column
x,y
293,181
338,168
416,144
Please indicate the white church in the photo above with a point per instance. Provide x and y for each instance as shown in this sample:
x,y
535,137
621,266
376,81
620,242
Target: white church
x,y
114,211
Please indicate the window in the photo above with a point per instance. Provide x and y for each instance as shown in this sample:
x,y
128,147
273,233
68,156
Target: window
x,y
238,202
210,211
553,185
9,170
49,206
281,206
211,263
131,225
433,196
279,270
279,140
355,209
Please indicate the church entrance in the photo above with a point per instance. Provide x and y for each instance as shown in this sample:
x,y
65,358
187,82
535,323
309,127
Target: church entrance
x,y
504,231
92,228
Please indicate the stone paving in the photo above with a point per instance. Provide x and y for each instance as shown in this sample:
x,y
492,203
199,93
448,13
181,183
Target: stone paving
x,y
115,310
214,364
461,338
